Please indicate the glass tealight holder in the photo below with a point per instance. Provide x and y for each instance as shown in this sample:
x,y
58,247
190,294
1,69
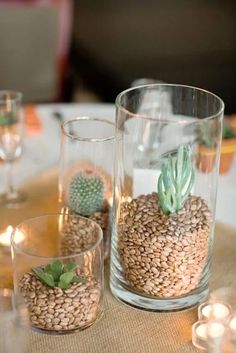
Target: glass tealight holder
x,y
232,329
85,176
210,336
199,334
217,337
214,310
225,295
63,293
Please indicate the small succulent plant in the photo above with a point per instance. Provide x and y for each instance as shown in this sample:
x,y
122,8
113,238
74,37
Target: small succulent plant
x,y
228,132
59,275
7,118
86,193
206,136
176,180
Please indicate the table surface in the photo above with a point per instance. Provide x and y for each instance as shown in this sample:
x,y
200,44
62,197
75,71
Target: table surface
x,y
122,329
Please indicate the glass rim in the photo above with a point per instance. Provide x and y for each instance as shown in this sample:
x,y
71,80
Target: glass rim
x,y
17,247
91,139
141,116
14,95
141,82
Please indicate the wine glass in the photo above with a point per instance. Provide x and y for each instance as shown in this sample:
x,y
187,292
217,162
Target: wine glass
x,y
11,140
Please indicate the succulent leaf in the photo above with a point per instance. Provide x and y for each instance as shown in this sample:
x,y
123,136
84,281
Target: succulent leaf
x,y
70,266
47,268
56,268
58,275
176,180
79,279
65,280
38,271
44,277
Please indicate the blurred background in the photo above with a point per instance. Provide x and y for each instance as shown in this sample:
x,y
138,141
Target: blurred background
x,y
90,50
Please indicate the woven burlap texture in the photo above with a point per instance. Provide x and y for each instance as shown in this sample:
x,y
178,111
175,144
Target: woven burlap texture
x,y
127,330
123,329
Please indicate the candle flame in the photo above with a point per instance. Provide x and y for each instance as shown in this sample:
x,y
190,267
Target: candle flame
x,y
5,237
126,199
232,323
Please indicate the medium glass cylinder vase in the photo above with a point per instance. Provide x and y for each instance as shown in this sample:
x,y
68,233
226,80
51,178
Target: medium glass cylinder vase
x,y
165,195
85,176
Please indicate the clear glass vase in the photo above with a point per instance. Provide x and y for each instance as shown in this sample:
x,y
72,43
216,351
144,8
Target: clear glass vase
x,y
85,176
63,294
165,194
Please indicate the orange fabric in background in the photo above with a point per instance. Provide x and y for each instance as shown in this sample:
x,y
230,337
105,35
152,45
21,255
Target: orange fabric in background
x,y
33,124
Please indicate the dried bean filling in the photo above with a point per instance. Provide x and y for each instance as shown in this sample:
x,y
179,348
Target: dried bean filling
x,y
74,239
163,256
60,310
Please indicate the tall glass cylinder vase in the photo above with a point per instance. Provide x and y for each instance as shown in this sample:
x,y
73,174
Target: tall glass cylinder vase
x,y
166,167
85,176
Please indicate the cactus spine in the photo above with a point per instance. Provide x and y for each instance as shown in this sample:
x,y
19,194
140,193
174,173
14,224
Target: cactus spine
x,y
86,193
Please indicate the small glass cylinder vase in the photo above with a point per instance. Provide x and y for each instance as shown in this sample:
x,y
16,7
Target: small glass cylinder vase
x,y
164,199
63,293
85,176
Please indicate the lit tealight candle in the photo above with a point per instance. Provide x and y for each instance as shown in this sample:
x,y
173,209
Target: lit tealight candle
x,y
216,335
232,329
204,332
201,330
5,237
215,330
199,334
232,324
217,311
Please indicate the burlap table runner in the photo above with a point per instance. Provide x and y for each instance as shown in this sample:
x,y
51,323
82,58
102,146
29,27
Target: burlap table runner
x,y
121,329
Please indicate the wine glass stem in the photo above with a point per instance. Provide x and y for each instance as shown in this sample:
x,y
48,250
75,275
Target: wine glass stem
x,y
10,187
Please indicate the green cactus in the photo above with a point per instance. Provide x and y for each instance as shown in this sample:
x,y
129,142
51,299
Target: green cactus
x,y
86,193
176,180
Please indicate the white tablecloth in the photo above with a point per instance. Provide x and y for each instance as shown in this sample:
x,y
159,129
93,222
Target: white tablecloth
x,y
41,152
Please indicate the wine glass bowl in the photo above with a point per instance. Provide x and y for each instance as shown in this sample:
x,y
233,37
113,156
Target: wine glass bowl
x,y
11,141
10,144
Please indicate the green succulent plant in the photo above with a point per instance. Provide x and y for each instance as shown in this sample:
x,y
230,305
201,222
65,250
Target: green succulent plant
x,y
228,131
206,134
59,275
86,193
7,118
176,180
